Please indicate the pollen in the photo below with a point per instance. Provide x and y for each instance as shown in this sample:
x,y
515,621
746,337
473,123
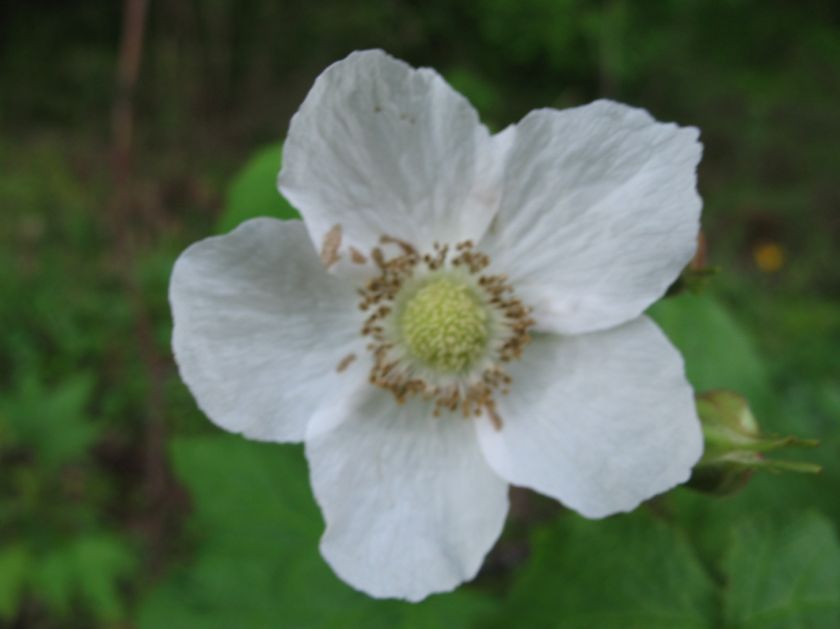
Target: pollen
x,y
445,325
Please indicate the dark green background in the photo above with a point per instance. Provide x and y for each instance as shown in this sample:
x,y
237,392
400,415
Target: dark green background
x,y
121,506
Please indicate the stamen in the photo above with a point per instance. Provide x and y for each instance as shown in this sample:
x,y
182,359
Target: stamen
x,y
357,256
345,362
406,247
440,329
329,248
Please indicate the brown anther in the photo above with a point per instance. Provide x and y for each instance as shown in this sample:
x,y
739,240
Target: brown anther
x,y
330,246
490,408
378,258
407,248
357,256
345,362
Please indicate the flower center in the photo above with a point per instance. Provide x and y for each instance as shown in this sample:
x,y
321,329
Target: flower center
x,y
440,328
445,325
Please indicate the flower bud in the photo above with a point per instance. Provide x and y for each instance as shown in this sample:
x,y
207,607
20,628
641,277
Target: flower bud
x,y
735,446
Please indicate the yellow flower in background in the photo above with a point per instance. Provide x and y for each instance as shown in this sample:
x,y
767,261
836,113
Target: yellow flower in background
x,y
769,256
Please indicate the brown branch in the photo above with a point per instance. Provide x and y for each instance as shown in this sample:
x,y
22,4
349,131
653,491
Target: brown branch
x,y
128,70
123,220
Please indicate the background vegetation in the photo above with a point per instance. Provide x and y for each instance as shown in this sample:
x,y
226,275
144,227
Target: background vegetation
x,y
120,504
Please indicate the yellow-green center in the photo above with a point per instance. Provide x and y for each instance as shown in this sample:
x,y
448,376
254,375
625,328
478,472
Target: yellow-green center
x,y
445,325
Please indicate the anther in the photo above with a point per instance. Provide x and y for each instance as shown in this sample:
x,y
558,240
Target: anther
x,y
330,246
345,362
357,256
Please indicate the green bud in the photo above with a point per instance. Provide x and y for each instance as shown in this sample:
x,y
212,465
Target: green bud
x,y
735,446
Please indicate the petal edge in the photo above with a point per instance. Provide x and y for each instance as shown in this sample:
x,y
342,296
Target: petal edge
x,y
601,422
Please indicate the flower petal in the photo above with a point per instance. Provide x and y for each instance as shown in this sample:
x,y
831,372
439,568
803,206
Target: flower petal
x,y
260,328
599,213
601,421
410,504
381,148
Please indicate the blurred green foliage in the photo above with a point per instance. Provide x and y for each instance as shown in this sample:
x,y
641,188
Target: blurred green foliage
x,y
628,571
783,575
120,505
717,351
253,191
250,497
53,547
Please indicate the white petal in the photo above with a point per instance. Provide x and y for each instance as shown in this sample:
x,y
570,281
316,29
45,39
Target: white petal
x,y
600,422
260,328
599,213
410,504
381,148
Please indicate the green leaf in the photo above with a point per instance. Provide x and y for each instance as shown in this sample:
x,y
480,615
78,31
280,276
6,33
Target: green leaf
x,y
101,562
628,571
87,570
483,94
254,193
783,576
50,420
255,528
14,569
718,353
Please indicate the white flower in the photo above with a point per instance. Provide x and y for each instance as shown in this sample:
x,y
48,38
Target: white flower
x,y
406,367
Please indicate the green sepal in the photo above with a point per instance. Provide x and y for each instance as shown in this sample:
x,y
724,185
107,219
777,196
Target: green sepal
x,y
735,445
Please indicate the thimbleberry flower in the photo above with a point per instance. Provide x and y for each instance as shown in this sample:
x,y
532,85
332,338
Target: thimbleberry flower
x,y
457,311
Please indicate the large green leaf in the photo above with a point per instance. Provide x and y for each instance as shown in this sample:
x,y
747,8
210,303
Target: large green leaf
x,y
254,193
718,353
629,571
256,562
783,576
